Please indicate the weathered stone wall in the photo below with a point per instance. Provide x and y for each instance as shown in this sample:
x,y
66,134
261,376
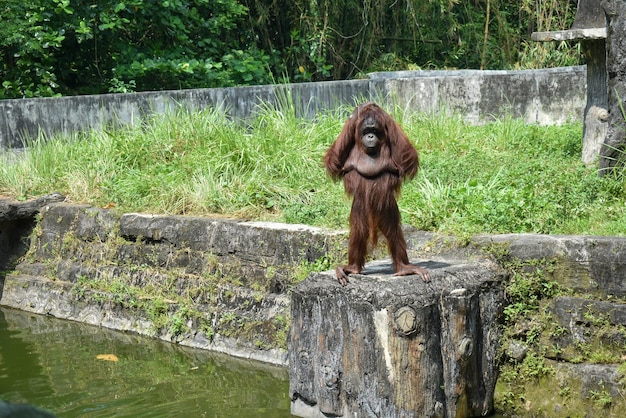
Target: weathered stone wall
x,y
224,285
537,96
217,284
573,342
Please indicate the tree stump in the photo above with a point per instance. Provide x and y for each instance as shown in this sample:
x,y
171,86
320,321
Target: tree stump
x,y
396,346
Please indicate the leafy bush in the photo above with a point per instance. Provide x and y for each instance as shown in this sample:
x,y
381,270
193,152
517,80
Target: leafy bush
x,y
76,47
50,47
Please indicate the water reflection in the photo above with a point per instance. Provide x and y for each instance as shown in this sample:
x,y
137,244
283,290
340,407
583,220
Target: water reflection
x,y
52,363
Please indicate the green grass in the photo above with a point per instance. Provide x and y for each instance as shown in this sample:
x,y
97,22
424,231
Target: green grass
x,y
504,176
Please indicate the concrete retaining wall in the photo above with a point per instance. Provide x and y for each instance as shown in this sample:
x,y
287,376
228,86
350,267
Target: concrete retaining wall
x,y
225,285
538,96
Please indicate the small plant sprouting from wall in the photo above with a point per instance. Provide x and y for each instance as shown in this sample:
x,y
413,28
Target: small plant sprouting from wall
x,y
336,253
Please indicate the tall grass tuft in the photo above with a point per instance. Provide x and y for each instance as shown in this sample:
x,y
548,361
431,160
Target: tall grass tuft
x,y
503,176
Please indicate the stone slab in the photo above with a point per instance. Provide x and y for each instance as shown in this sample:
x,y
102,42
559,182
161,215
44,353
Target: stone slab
x,y
569,35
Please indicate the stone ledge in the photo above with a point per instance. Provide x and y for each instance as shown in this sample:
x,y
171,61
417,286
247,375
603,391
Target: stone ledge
x,y
12,210
569,35
591,264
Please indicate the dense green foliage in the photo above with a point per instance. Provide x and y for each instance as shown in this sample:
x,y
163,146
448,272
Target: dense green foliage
x,y
344,38
50,47
78,46
504,176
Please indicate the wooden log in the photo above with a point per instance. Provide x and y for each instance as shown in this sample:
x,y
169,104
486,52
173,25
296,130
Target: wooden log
x,y
396,346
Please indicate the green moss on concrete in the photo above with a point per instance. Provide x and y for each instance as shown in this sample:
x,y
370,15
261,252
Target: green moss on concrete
x,y
538,374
